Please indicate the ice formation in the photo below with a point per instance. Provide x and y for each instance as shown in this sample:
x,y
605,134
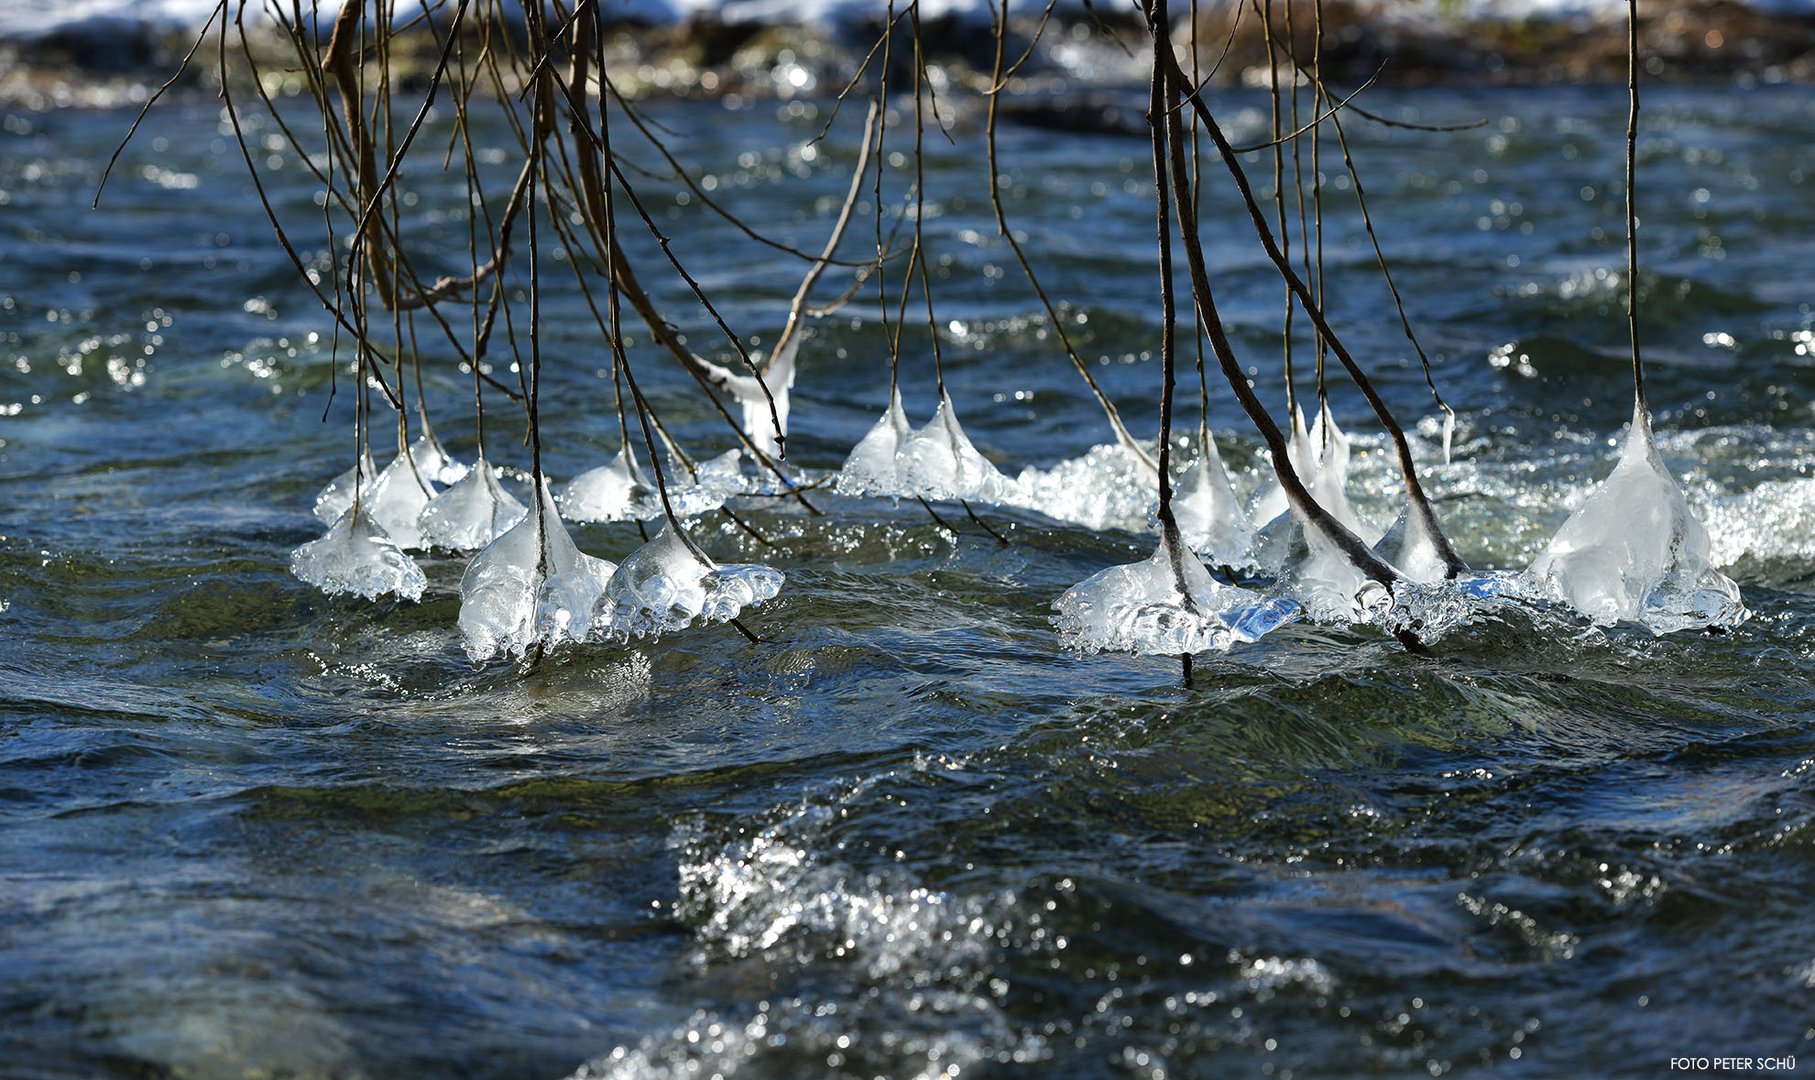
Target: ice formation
x,y
1316,573
939,462
871,469
1210,517
1270,501
396,500
778,379
1633,552
334,499
1409,547
434,462
472,513
614,491
1143,608
357,557
529,587
709,486
668,583
1329,478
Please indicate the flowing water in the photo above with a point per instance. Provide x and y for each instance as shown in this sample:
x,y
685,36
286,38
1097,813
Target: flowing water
x,y
248,829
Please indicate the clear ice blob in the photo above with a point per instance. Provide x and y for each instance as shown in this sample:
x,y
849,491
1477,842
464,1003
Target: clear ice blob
x,y
1633,552
871,468
396,500
1270,501
939,462
472,513
1210,518
434,462
357,557
667,585
614,491
1166,605
530,587
334,499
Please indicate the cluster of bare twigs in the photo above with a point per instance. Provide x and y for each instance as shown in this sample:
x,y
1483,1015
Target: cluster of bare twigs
x,y
541,69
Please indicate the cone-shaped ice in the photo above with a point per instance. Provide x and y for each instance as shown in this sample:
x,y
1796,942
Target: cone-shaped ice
x,y
1210,518
530,586
778,379
871,468
1329,484
1634,553
939,462
1270,501
666,584
357,557
1408,546
434,462
1318,575
470,514
396,499
334,499
1164,606
614,491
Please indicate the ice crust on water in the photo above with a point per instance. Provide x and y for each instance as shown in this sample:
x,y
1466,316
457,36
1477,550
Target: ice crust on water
x,y
357,557
472,513
1633,552
665,585
871,469
531,586
614,491
1140,608
939,462
334,499
1210,518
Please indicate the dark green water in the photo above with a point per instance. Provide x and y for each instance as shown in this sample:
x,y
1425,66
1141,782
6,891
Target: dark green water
x,y
250,830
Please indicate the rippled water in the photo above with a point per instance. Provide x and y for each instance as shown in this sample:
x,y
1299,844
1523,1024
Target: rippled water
x,y
249,829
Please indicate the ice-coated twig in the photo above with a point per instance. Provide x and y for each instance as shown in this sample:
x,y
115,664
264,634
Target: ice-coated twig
x,y
668,584
614,491
334,499
1210,518
357,558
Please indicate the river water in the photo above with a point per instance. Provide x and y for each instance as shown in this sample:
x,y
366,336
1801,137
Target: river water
x,y
248,829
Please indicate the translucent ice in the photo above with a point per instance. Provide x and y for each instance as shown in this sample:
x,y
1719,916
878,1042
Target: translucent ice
x,y
1329,483
1316,573
1167,605
433,460
472,513
396,500
1210,517
778,379
1408,546
712,483
1270,501
334,499
531,586
939,462
666,584
614,491
357,557
1634,553
871,468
